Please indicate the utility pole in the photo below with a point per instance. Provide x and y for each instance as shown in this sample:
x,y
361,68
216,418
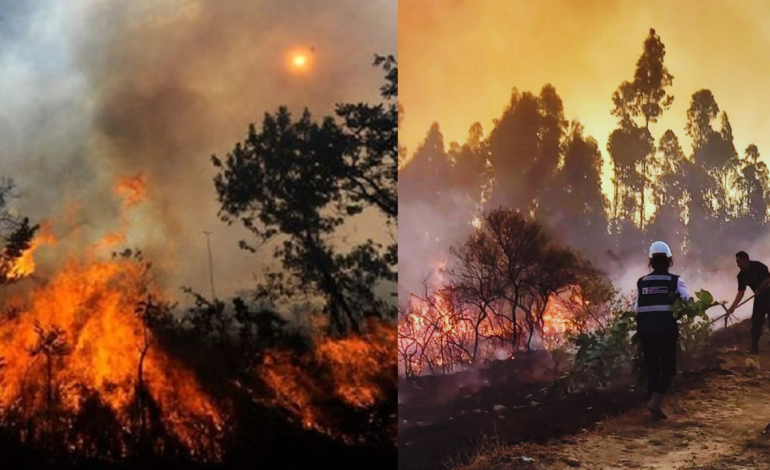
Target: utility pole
x,y
211,268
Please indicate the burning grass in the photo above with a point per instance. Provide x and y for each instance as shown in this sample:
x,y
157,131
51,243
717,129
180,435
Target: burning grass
x,y
77,337
89,366
357,373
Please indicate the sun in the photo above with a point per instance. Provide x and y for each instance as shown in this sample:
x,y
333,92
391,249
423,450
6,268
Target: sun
x,y
299,61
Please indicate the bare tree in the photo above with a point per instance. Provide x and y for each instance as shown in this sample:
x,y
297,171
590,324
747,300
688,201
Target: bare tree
x,y
51,343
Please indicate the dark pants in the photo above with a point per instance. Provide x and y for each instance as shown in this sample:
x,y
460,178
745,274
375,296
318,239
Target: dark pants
x,y
660,358
761,309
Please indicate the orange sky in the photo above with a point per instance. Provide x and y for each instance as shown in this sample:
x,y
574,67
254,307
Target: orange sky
x,y
460,59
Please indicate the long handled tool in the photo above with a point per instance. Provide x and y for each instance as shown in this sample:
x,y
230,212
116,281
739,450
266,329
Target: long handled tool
x,y
726,316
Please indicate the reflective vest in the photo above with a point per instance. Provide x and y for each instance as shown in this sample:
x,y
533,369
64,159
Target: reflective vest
x,y
657,293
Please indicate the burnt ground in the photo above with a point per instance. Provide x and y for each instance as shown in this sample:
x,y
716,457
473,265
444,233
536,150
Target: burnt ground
x,y
444,421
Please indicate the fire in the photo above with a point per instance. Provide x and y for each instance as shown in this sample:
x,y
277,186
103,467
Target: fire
x,y
133,189
438,335
76,340
350,371
25,264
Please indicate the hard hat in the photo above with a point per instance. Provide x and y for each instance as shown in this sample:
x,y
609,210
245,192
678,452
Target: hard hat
x,y
660,248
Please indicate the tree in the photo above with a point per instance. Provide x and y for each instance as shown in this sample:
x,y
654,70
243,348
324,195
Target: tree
x,y
51,344
299,181
151,313
16,233
428,172
712,173
469,163
370,162
578,205
513,147
753,195
638,104
670,193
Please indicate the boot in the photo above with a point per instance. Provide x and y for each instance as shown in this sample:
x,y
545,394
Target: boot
x,y
655,407
754,347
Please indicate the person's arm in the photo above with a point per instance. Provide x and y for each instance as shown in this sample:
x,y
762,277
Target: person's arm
x,y
684,292
736,301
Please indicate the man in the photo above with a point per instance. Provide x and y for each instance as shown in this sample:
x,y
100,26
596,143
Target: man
x,y
755,275
657,329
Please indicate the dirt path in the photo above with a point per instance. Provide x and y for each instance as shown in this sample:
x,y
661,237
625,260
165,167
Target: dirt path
x,y
718,426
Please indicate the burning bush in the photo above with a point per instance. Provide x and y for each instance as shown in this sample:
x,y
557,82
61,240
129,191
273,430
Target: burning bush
x,y
81,340
510,283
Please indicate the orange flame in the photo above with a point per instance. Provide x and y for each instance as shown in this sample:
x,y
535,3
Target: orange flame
x,y
133,189
93,303
78,336
25,264
356,368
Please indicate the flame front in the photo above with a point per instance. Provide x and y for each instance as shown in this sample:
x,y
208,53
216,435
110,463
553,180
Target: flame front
x,y
75,339
436,334
358,372
93,303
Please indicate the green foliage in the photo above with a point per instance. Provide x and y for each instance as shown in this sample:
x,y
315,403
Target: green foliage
x,y
604,352
295,182
608,351
694,326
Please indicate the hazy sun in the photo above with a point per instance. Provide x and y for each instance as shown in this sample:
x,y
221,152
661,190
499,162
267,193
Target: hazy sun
x,y
300,60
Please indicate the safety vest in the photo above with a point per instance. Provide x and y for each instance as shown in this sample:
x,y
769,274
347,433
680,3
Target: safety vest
x,y
657,293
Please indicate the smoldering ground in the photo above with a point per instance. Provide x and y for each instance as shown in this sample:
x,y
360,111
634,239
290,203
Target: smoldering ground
x,y
93,91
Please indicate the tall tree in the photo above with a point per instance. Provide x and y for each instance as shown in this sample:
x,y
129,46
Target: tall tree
x,y
669,194
469,163
638,104
712,173
581,216
300,181
514,147
428,172
753,194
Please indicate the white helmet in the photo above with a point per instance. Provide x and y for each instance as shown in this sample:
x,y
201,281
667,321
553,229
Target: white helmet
x,y
660,248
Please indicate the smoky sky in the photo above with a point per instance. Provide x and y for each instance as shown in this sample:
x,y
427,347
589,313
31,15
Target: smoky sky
x,y
461,59
94,90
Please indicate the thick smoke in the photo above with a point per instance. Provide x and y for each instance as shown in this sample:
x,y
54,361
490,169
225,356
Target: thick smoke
x,y
99,90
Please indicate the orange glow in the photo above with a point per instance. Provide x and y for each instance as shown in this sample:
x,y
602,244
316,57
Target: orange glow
x,y
299,61
356,368
436,336
25,264
476,52
133,189
80,325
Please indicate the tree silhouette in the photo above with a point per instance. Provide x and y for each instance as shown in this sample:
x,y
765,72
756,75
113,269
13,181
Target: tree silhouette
x,y
16,232
428,172
712,173
51,343
670,193
577,205
299,181
638,104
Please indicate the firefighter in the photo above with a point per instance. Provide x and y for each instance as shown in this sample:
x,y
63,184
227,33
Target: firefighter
x,y
657,328
755,275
